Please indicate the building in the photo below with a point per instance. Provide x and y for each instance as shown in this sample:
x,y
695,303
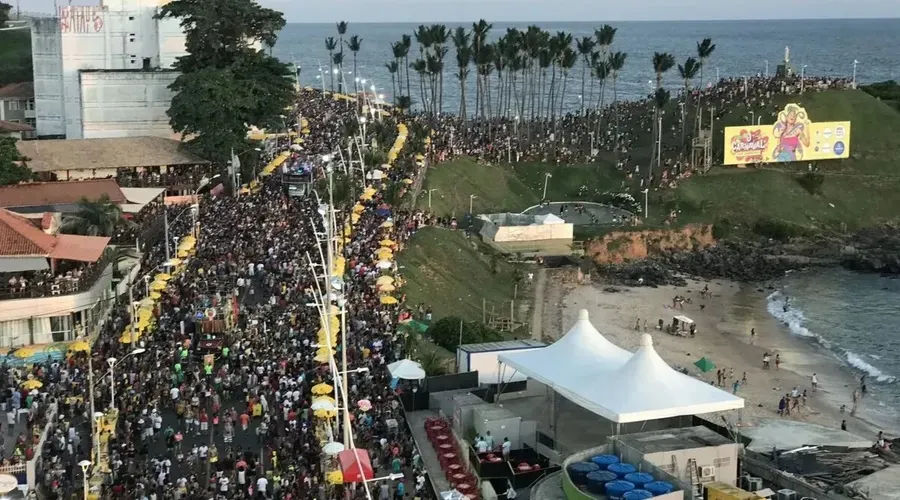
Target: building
x,y
37,198
133,161
17,115
527,234
104,70
53,287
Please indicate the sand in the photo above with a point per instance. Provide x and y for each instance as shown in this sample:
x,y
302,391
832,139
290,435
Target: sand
x,y
723,336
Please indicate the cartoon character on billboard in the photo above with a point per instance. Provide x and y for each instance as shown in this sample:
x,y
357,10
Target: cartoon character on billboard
x,y
792,133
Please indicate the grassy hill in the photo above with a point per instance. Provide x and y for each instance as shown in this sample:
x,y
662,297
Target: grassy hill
x,y
452,273
15,56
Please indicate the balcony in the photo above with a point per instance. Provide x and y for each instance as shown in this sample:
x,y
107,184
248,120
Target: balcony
x,y
77,279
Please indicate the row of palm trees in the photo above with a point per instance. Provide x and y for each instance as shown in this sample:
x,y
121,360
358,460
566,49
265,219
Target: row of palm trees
x,y
335,50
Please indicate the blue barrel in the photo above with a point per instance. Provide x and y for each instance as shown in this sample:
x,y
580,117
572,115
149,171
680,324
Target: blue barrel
x,y
621,470
637,495
579,470
596,481
639,478
659,487
605,460
616,489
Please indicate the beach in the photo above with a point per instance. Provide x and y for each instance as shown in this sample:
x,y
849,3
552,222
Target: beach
x,y
723,336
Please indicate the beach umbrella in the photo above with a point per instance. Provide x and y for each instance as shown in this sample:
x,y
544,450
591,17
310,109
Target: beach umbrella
x,y
325,398
322,404
172,262
182,253
335,477
364,404
305,131
705,365
163,277
384,253
385,165
147,301
354,218
388,300
387,288
407,181
385,280
25,352
32,384
325,413
358,208
406,369
332,448
387,223
144,314
79,346
155,295
158,286
126,337
322,389
420,156
387,242
384,264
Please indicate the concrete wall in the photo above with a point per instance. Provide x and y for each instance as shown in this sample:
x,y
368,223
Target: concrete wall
x,y
723,458
46,55
534,233
124,104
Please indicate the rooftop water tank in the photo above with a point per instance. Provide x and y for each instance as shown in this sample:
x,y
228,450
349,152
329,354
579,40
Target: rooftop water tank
x,y
621,469
639,478
605,460
659,487
579,470
637,495
615,489
596,481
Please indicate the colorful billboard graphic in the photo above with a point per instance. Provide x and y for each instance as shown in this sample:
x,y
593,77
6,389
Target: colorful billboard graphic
x,y
793,137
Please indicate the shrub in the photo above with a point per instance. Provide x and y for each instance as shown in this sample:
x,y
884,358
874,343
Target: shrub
x,y
812,182
778,230
445,332
721,229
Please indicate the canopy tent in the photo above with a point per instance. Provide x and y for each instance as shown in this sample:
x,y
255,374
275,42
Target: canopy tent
x,y
684,319
138,198
355,465
620,386
406,369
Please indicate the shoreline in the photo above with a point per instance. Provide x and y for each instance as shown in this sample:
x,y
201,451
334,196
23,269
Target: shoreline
x,y
724,325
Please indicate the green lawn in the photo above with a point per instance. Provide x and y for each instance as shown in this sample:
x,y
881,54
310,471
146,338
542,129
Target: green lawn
x,y
452,273
15,56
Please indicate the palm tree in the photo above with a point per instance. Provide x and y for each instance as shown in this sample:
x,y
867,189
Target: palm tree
x,y
480,32
403,103
330,45
342,30
433,364
393,68
484,63
601,71
98,217
705,48
406,41
660,99
616,63
461,41
567,61
605,36
688,71
420,66
354,44
400,52
662,63
440,36
338,59
585,47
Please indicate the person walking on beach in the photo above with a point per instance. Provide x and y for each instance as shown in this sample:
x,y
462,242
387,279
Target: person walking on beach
x,y
766,361
778,361
855,402
815,382
843,425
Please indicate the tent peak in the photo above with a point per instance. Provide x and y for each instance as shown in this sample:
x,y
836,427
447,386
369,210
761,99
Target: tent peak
x,y
646,340
584,314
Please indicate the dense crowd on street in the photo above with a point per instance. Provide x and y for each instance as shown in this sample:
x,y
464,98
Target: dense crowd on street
x,y
241,427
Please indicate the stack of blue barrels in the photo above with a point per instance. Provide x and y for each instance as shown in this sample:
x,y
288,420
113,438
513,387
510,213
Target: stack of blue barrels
x,y
596,481
579,470
659,487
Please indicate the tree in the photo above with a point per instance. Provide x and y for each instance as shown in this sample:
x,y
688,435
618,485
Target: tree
x,y
330,45
585,47
393,68
225,83
4,13
12,165
688,71
705,49
94,218
354,44
447,331
433,364
342,30
461,41
616,63
660,100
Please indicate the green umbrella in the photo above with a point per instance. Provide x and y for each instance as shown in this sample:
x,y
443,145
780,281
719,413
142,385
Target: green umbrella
x,y
705,365
415,326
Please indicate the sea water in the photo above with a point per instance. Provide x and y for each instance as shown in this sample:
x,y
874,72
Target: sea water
x,y
856,317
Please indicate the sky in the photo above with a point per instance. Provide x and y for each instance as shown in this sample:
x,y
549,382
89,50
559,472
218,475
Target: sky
x,y
448,11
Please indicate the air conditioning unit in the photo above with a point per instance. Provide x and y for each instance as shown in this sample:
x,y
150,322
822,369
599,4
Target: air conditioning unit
x,y
786,494
707,471
753,484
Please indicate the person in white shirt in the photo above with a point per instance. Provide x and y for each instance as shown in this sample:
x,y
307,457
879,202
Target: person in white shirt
x,y
261,485
223,484
815,382
506,447
173,392
481,445
490,440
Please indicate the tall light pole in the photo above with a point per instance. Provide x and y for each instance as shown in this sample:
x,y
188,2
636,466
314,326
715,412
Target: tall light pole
x,y
802,78
113,362
547,177
98,419
767,68
429,196
646,192
752,117
472,202
85,465
855,62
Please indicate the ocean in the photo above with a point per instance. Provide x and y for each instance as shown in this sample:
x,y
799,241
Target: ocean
x,y
826,47
853,316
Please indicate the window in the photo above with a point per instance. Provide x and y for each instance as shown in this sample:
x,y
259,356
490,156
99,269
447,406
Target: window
x,y
60,326
13,105
131,18
29,105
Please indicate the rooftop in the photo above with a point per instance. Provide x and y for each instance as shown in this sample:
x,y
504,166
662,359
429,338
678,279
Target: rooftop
x,y
22,90
7,126
21,238
107,153
666,440
48,194
502,346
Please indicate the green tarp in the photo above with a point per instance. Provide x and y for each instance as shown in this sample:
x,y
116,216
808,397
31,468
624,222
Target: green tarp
x,y
414,326
705,365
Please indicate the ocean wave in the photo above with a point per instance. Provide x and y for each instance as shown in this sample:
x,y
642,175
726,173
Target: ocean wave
x,y
793,318
856,361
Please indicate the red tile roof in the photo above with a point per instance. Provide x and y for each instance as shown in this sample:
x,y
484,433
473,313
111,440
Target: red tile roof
x,y
19,237
22,90
8,126
36,194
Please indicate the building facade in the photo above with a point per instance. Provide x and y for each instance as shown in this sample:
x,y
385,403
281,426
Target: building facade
x,y
103,70
17,109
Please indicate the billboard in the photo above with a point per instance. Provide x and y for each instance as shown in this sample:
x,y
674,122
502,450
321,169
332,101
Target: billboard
x,y
793,137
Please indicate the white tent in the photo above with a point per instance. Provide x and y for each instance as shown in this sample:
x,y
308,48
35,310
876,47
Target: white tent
x,y
406,369
620,386
548,219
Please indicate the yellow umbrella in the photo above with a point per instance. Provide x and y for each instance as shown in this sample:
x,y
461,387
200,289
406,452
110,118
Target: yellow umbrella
x,y
324,399
384,253
335,477
144,314
325,413
305,131
155,295
174,262
387,288
143,324
385,280
407,181
364,197
321,358
183,253
387,243
354,218
420,157
32,384
387,223
126,337
158,286
321,389
358,208
25,352
163,277
388,300
79,346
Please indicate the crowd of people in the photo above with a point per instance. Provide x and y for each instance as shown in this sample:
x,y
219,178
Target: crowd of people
x,y
240,427
68,277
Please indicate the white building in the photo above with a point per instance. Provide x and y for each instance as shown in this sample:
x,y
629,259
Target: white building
x,y
103,70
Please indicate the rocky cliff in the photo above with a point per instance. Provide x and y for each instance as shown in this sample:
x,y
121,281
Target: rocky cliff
x,y
628,246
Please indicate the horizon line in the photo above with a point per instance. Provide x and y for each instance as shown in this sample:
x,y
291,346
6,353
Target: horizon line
x,y
614,20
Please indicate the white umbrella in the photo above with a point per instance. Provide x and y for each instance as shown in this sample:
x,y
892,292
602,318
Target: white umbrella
x,y
333,448
384,264
406,369
322,405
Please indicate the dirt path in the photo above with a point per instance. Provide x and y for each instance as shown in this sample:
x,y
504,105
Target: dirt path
x,y
537,315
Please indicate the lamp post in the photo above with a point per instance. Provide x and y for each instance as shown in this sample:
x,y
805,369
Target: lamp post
x,y
646,192
113,362
767,68
429,196
85,465
547,177
471,202
752,117
802,78
855,62
98,418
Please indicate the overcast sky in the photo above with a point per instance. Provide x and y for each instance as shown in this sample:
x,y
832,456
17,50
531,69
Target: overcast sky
x,y
318,11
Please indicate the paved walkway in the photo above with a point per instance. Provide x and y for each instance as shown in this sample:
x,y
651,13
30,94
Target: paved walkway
x,y
594,213
436,475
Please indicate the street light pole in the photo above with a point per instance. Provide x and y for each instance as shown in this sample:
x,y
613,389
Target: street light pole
x,y
802,78
166,231
471,202
429,196
646,192
85,465
855,62
547,177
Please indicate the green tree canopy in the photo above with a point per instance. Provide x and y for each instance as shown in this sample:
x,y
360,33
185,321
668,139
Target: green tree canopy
x,y
226,83
4,13
10,171
94,218
445,332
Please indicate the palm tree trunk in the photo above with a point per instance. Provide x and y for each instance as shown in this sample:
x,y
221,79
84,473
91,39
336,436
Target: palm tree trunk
x,y
355,86
462,100
583,69
616,111
700,99
406,64
331,68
